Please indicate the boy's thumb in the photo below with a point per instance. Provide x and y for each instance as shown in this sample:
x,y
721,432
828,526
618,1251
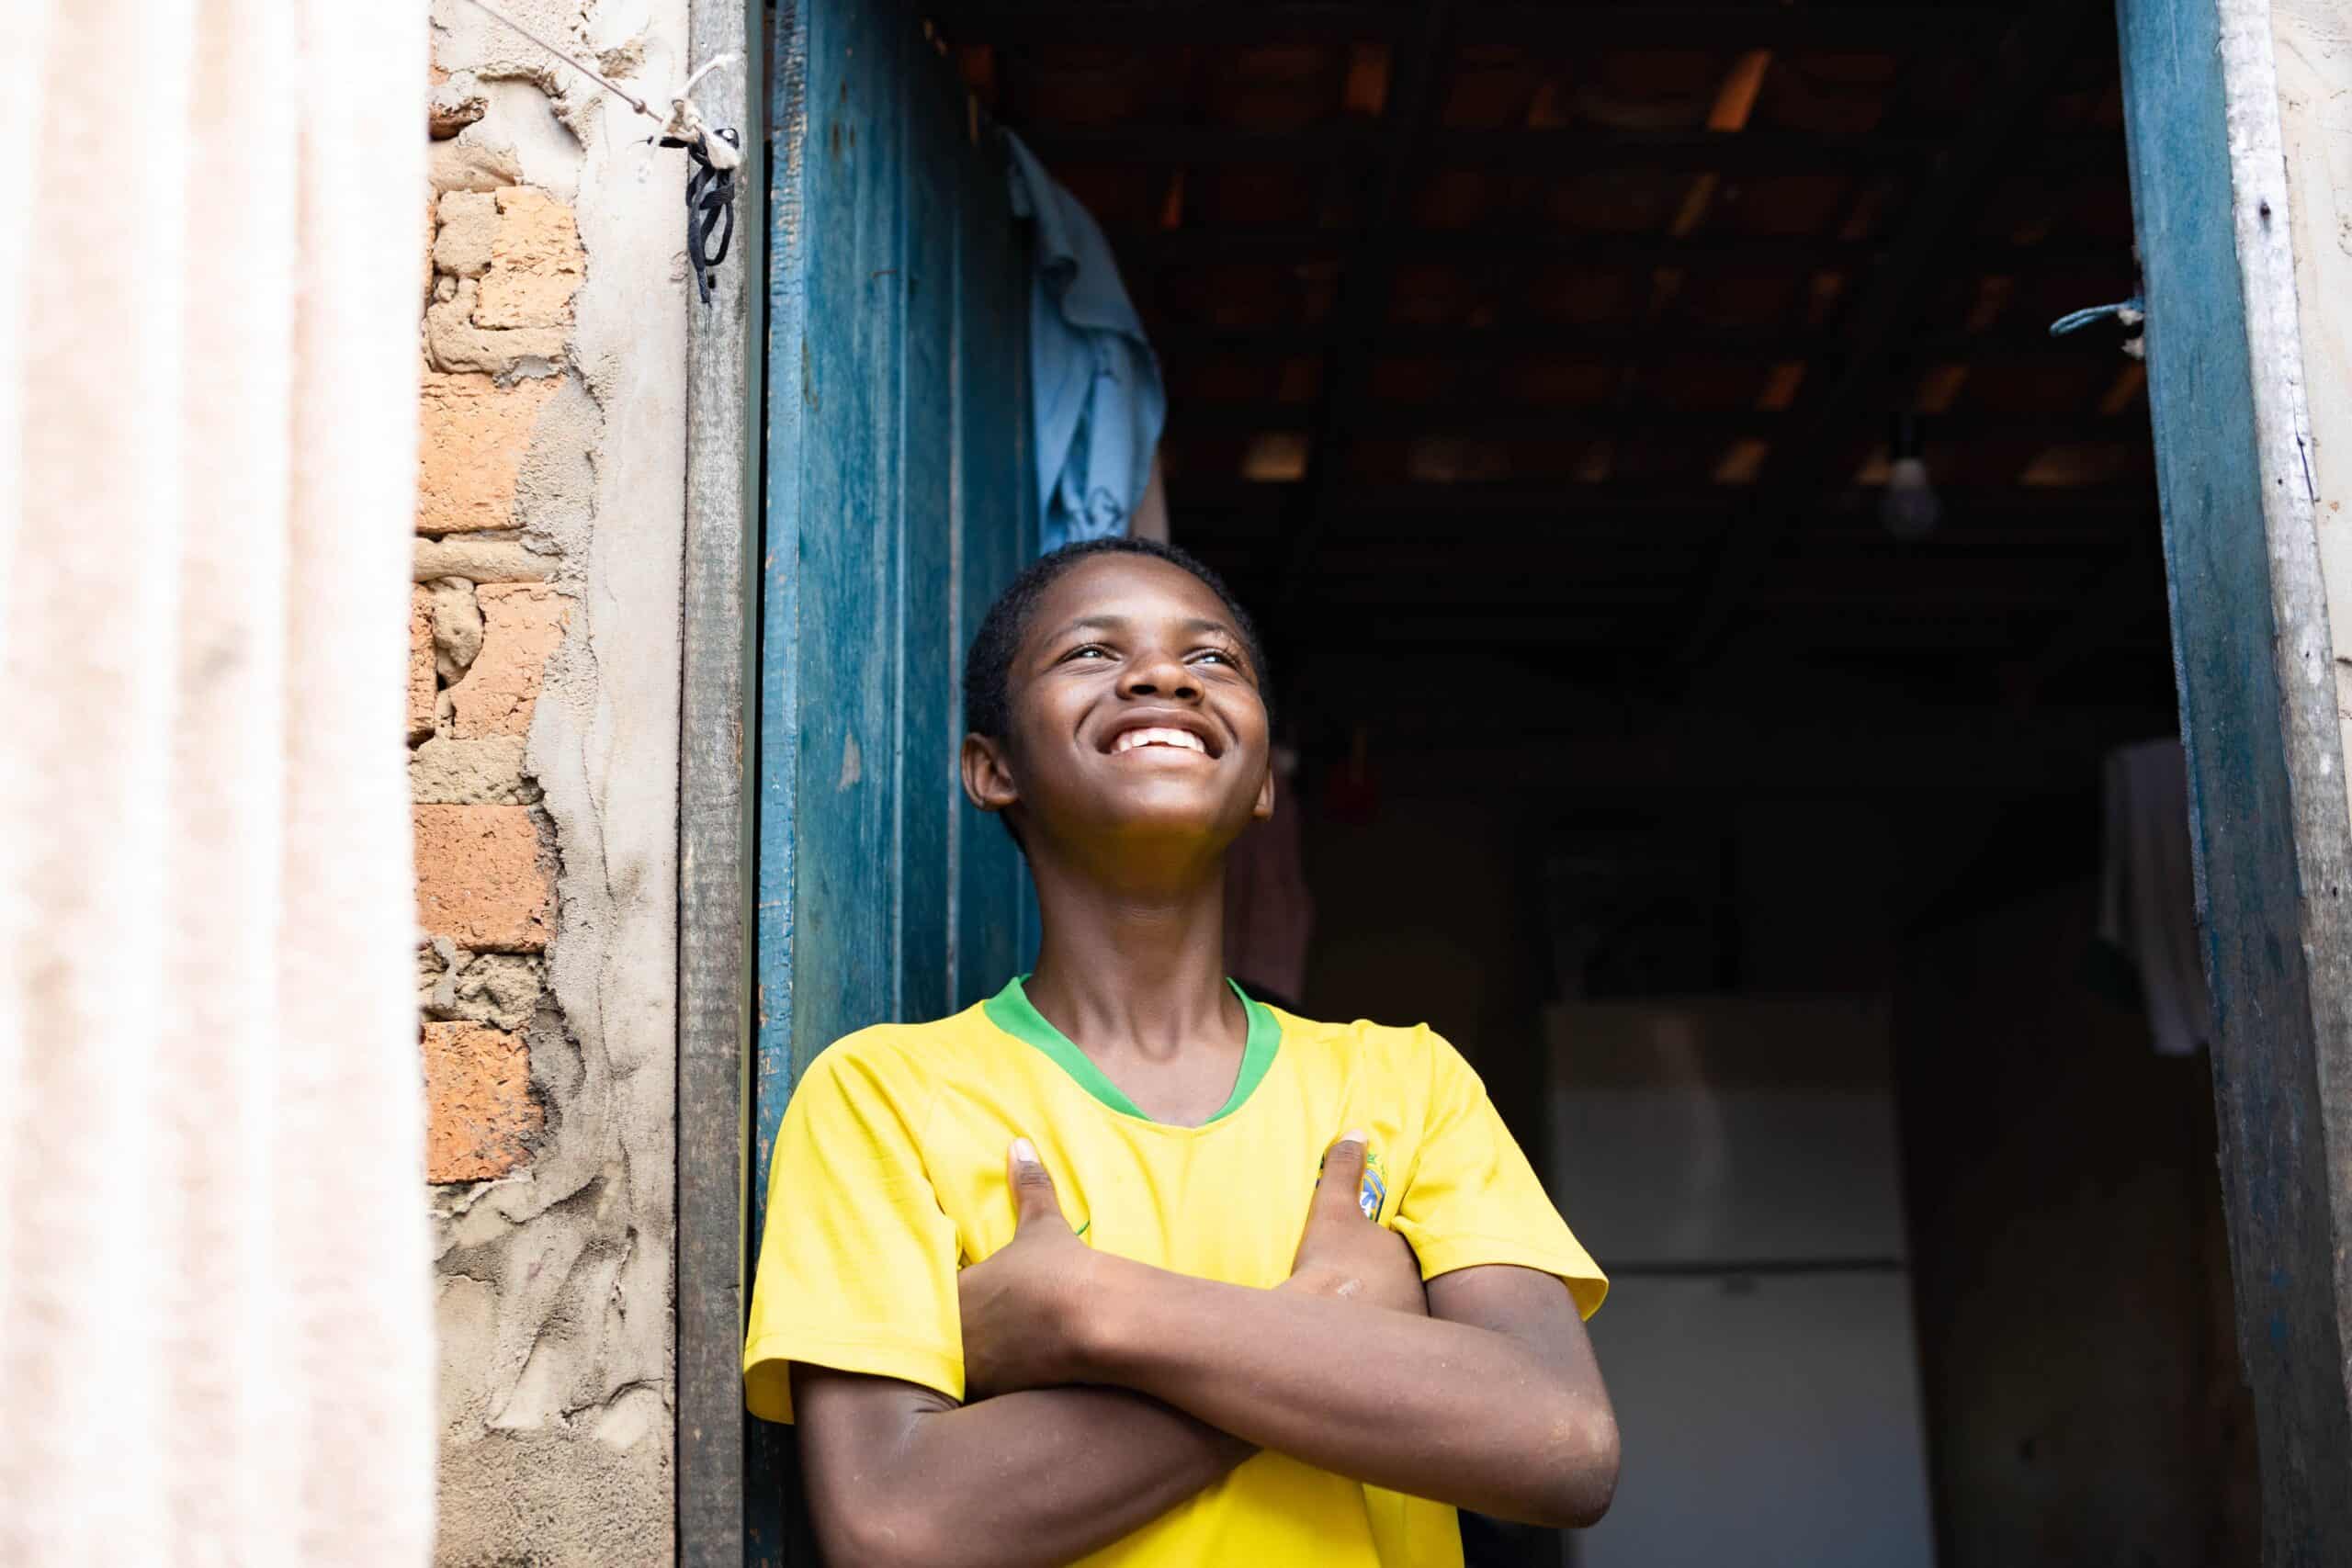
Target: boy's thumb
x,y
1033,1188
1343,1170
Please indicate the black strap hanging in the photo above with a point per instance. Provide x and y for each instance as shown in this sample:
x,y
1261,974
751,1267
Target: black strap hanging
x,y
711,207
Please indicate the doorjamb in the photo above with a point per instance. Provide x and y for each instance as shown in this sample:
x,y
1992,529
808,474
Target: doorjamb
x,y
2254,662
2255,666
714,826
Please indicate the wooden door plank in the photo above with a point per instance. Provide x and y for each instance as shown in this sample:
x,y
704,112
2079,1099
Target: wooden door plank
x,y
787,415
896,503
844,960
829,832
2267,806
773,1532
925,750
997,523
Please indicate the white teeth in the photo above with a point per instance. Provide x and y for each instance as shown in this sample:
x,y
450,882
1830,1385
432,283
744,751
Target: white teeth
x,y
1184,739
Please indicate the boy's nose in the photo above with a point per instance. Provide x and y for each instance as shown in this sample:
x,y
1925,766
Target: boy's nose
x,y
1162,676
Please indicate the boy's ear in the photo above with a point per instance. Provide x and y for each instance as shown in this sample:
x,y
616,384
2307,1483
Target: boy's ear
x,y
1265,806
988,775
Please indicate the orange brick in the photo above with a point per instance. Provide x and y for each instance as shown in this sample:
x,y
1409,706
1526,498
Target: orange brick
x,y
480,1116
479,877
536,264
475,436
522,625
421,687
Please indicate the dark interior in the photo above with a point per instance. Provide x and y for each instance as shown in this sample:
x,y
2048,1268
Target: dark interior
x,y
1536,375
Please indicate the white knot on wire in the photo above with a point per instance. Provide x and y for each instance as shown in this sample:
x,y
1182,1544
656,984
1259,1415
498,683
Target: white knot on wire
x,y
684,125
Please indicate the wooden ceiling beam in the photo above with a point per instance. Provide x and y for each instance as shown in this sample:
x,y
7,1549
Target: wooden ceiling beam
x,y
1031,25
1285,246
1417,67
1565,151
1580,569
1975,629
1403,507
1604,340
1496,420
1885,315
1845,26
1493,496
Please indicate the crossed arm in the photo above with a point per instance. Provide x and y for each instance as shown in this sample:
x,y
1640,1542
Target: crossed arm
x,y
1106,1392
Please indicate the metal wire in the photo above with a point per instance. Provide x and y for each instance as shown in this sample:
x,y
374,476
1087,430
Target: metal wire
x,y
631,99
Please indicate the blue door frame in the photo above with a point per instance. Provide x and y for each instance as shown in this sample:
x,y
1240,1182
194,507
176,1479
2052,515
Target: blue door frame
x,y
898,501
2266,802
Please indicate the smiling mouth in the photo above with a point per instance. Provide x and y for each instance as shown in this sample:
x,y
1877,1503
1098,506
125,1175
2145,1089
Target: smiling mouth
x,y
1137,739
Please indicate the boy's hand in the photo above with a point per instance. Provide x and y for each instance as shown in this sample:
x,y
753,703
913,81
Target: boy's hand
x,y
1345,1255
1022,1306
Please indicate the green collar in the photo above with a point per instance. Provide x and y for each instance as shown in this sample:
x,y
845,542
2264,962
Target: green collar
x,y
1011,1010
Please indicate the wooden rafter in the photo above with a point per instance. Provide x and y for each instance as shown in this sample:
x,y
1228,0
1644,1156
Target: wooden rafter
x,y
1485,341
1416,68
1576,149
1404,507
1156,23
1884,316
1323,294
1513,421
1286,245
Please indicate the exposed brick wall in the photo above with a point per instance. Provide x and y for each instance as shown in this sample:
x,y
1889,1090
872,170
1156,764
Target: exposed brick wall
x,y
503,262
552,302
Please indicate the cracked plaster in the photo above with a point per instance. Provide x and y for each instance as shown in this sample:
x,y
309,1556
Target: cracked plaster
x,y
555,1290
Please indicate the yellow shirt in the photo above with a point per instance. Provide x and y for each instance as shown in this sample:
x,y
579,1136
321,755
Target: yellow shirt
x,y
888,1176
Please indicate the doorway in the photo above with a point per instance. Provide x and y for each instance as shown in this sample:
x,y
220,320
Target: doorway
x,y
1706,601
1705,597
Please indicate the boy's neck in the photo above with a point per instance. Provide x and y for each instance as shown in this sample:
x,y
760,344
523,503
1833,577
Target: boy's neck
x,y
1140,966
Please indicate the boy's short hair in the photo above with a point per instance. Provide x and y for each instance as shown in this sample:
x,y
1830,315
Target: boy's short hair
x,y
987,667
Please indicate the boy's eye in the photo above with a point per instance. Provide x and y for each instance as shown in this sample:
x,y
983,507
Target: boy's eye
x,y
1088,651
1219,656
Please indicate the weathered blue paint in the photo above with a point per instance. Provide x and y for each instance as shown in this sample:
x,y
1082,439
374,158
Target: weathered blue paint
x,y
2272,1111
897,505
775,1531
992,461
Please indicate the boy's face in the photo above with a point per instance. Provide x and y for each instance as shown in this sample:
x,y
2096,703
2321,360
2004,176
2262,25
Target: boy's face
x,y
1135,712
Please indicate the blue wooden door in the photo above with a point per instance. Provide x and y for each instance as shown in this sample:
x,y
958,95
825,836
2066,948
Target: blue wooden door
x,y
898,502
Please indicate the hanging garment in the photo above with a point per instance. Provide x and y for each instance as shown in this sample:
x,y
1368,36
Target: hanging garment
x,y
215,1270
2148,891
1094,378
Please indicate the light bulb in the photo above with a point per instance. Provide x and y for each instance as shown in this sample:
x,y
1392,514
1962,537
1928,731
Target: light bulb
x,y
1909,508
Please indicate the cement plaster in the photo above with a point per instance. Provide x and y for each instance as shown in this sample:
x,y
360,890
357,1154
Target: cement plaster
x,y
555,1290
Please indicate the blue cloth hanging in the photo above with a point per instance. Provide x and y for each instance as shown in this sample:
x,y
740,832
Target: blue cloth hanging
x,y
1100,405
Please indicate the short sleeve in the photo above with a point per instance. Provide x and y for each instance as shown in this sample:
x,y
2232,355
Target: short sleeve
x,y
857,1262
1473,1198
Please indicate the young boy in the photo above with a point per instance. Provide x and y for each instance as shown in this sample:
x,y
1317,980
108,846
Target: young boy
x,y
1056,1279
